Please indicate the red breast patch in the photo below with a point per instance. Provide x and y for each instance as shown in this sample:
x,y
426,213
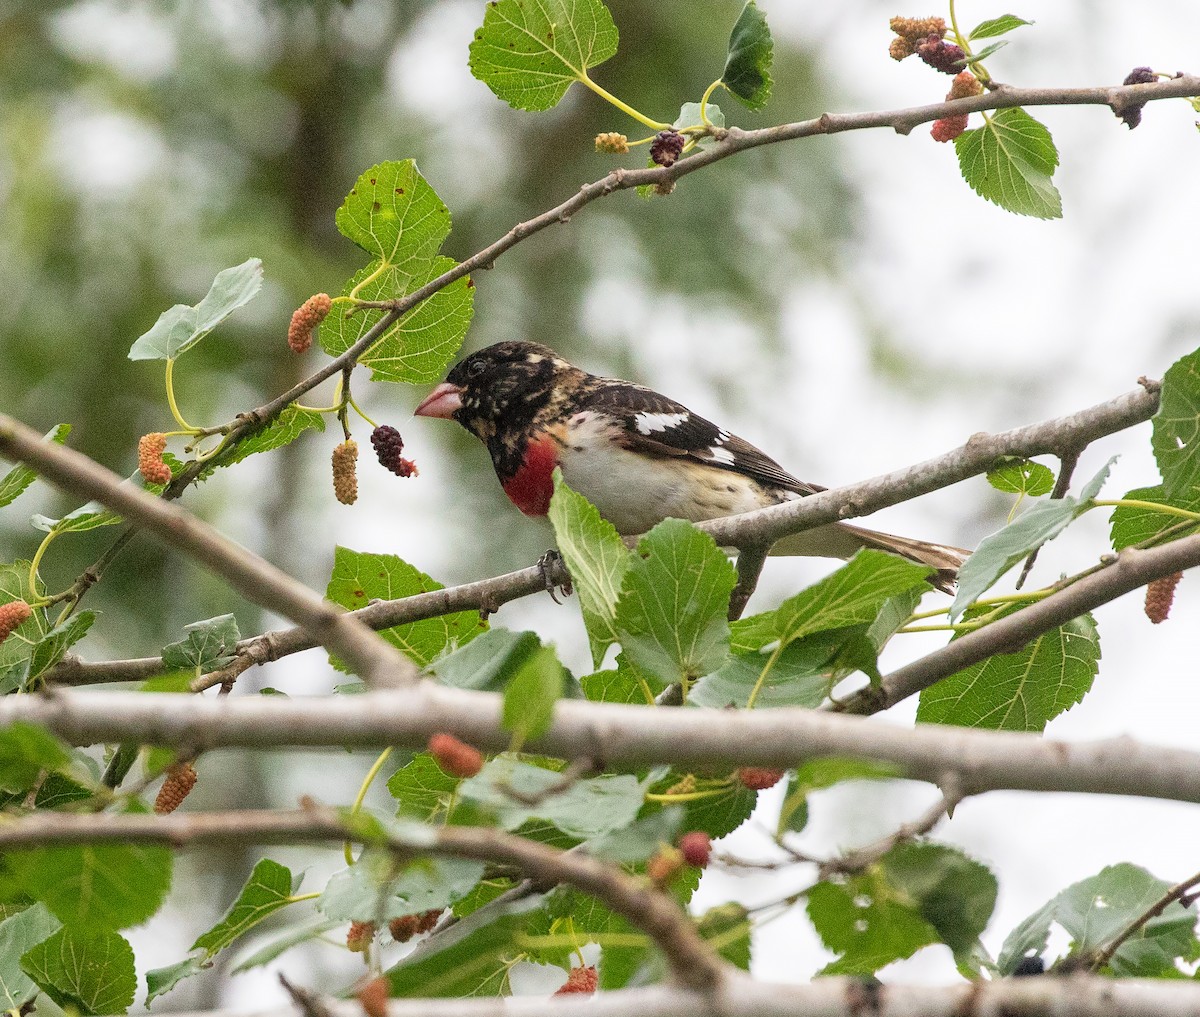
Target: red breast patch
x,y
531,487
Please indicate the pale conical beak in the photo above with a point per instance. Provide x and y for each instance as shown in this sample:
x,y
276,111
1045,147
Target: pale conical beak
x,y
443,401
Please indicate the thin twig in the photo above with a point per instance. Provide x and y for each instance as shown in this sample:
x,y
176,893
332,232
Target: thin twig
x,y
1102,957
1067,461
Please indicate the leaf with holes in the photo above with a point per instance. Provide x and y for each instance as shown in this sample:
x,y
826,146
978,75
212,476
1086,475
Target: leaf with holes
x,y
1175,434
1022,477
1009,161
747,72
529,52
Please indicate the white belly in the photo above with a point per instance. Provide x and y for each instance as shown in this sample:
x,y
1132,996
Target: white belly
x,y
635,492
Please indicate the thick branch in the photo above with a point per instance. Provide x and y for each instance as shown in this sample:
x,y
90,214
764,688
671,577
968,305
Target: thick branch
x,y
253,577
619,736
691,960
977,456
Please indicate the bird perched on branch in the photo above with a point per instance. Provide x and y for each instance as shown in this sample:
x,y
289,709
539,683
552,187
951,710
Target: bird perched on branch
x,y
638,456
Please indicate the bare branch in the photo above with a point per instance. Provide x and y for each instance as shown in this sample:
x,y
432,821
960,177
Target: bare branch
x,y
693,963
619,736
975,457
253,577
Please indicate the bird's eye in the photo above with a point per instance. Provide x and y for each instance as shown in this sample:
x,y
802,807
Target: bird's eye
x,y
475,369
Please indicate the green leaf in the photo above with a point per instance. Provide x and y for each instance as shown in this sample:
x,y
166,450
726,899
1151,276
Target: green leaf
x,y
637,842
421,788
530,51
1021,476
92,974
95,888
308,930
180,328
530,697
619,685
996,26
818,774
19,933
1009,161
1175,434
268,889
727,928
853,595
1096,910
14,483
471,958
208,646
1019,691
91,516
1135,525
394,214
1002,550
747,71
359,578
689,116
586,808
416,348
915,895
53,646
26,750
674,604
283,430
375,888
597,559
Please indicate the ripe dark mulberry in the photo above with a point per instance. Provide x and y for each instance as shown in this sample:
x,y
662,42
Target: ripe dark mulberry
x,y
666,147
388,446
941,55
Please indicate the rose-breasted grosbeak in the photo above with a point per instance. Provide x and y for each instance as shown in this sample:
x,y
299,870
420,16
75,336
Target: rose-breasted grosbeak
x,y
638,456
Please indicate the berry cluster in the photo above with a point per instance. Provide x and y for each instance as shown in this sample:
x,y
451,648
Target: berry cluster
x,y
911,32
456,758
612,143
948,128
181,778
305,320
758,778
582,979
666,147
345,479
13,614
150,458
388,446
406,926
1160,595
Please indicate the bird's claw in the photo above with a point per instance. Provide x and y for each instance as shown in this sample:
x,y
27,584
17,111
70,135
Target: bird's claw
x,y
546,564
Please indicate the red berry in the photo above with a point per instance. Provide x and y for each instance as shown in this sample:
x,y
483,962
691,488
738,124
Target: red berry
x,y
388,446
1160,595
949,128
359,936
759,778
696,846
374,996
456,758
579,980
150,458
305,320
940,54
12,615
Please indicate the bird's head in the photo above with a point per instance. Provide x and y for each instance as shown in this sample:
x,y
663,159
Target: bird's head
x,y
499,389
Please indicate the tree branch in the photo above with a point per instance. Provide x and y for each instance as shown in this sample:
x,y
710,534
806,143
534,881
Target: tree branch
x,y
619,736
253,577
692,962
976,456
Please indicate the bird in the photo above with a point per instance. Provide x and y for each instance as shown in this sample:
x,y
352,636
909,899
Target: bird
x,y
640,457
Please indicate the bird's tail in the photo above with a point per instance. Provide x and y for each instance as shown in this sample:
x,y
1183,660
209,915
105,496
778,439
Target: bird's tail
x,y
841,540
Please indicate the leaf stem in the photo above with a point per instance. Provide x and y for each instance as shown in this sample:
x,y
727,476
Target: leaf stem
x,y
383,266
689,796
763,676
362,794
33,569
358,409
297,898
1168,510
704,101
171,399
624,107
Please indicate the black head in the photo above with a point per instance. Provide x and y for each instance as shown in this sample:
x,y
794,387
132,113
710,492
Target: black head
x,y
499,390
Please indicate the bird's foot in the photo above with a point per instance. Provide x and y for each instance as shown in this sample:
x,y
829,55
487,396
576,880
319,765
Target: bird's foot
x,y
547,564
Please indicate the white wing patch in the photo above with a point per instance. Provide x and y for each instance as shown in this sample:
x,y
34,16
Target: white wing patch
x,y
649,423
720,454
